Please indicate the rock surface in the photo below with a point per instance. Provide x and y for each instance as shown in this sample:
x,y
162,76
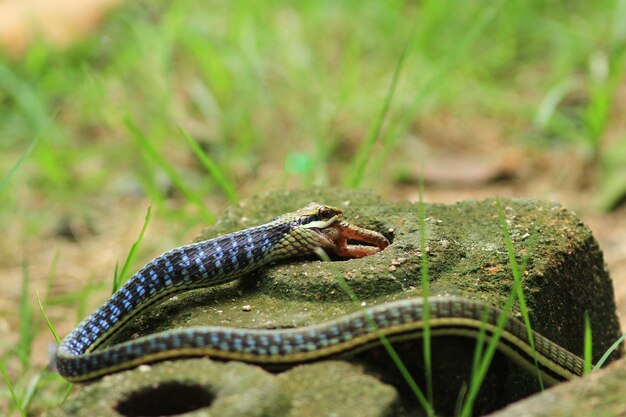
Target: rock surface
x,y
203,388
564,277
601,394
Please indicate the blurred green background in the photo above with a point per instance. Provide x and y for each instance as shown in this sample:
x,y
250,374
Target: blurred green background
x,y
190,106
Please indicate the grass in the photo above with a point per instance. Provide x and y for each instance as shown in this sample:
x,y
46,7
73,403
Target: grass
x,y
48,322
237,96
484,356
588,346
23,351
608,352
120,278
426,403
212,168
9,385
425,280
357,171
434,77
191,108
517,271
588,123
4,181
27,335
485,347
190,194
483,361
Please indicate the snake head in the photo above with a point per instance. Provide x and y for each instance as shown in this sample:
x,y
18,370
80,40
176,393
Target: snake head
x,y
318,216
313,216
304,228
321,226
327,230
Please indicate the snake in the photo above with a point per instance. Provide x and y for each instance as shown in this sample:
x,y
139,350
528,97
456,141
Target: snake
x,y
81,356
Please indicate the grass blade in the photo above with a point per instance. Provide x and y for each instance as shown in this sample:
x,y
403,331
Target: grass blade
x,y
479,373
459,399
480,343
29,102
116,277
176,179
26,321
20,161
31,391
40,117
11,390
68,391
452,60
608,352
588,346
45,316
517,285
357,170
211,167
425,293
383,341
132,253
550,102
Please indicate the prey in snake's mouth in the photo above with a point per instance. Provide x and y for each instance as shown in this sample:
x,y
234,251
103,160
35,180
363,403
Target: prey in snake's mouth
x,y
350,241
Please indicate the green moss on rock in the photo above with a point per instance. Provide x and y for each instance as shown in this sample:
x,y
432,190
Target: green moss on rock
x,y
193,387
203,388
564,277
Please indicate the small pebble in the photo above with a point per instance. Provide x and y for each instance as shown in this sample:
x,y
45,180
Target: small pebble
x,y
144,368
398,262
247,307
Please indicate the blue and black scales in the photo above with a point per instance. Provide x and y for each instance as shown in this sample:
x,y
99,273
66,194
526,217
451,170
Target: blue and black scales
x,y
202,264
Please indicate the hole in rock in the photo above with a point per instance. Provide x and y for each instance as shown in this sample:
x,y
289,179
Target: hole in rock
x,y
166,399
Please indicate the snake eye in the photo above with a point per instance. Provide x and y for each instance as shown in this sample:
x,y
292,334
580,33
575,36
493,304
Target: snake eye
x,y
325,213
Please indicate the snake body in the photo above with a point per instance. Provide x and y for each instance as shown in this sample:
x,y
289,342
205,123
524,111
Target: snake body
x,y
226,258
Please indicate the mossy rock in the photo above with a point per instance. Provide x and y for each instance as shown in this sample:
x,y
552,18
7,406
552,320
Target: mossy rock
x,y
187,387
203,388
564,276
600,394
